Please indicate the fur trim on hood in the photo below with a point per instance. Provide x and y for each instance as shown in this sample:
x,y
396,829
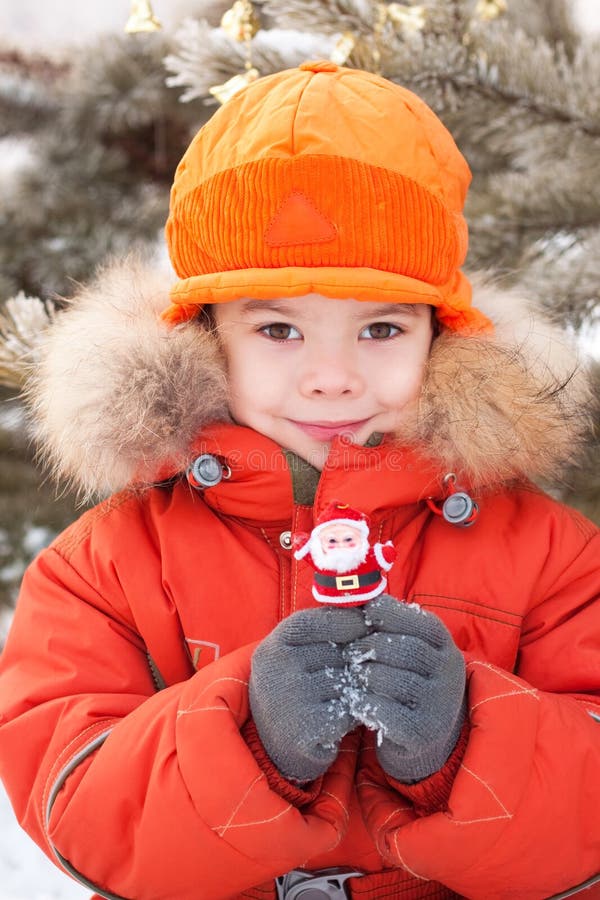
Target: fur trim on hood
x,y
116,393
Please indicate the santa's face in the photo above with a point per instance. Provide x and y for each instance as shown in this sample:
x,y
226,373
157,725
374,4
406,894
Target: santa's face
x,y
337,537
339,547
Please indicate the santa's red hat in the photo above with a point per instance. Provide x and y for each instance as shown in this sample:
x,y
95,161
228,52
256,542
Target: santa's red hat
x,y
339,513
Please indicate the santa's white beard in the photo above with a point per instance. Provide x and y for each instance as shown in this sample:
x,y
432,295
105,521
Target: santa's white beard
x,y
338,560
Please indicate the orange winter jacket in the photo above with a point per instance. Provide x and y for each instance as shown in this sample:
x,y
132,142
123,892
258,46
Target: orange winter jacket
x,y
126,742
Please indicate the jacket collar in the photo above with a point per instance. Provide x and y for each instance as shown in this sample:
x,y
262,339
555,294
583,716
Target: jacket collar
x,y
258,486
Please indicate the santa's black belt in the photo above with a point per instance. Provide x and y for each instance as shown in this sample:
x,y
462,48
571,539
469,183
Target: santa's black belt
x,y
347,582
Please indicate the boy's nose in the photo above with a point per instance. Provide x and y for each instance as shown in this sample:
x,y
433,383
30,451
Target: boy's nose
x,y
329,378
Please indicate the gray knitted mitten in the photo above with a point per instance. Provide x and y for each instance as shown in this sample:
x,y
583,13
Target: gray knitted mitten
x,y
297,689
412,687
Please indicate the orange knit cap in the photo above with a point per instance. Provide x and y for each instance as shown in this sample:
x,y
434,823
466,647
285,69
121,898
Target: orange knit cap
x,y
327,180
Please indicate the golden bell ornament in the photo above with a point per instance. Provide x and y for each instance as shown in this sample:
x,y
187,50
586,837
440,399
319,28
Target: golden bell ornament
x,y
142,18
409,18
224,92
490,9
343,48
240,22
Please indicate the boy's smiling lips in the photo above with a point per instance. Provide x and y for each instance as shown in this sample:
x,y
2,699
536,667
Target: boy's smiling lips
x,y
324,430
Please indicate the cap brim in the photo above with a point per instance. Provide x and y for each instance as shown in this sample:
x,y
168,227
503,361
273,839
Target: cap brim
x,y
364,284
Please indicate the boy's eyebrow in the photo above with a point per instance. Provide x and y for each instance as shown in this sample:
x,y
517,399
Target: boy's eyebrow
x,y
251,306
287,309
389,309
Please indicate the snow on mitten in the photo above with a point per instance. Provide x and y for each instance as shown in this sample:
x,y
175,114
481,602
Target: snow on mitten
x,y
412,680
297,689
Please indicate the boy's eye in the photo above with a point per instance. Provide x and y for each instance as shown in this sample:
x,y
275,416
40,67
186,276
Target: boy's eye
x,y
380,331
279,331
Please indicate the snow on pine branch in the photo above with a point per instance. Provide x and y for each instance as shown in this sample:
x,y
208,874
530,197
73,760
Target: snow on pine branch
x,y
499,59
539,76
22,321
328,16
207,56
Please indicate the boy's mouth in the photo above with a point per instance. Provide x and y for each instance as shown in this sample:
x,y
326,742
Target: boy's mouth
x,y
326,431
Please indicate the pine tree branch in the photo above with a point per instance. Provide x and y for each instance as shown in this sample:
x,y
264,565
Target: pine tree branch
x,y
22,322
206,56
563,272
28,86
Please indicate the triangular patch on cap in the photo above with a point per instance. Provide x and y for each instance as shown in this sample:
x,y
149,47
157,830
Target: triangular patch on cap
x,y
298,221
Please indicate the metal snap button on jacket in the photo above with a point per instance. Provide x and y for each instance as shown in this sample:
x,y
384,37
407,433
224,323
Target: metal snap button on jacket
x,y
205,471
458,508
285,539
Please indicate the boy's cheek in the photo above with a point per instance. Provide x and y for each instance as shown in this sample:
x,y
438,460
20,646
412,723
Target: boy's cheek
x,y
396,392
399,410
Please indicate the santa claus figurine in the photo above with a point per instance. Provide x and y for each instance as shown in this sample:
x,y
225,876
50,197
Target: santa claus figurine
x,y
348,570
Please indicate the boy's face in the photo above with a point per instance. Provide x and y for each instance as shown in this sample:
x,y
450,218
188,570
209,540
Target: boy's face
x,y
302,370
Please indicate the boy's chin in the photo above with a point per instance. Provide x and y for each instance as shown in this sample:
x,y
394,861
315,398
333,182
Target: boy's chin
x,y
316,453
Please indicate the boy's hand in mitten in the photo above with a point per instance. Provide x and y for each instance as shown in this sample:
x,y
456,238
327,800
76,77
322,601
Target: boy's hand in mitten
x,y
297,689
412,676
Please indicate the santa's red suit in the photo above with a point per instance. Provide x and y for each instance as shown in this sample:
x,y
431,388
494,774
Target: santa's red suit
x,y
360,582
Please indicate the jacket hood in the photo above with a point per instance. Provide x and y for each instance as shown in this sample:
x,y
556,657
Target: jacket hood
x,y
117,397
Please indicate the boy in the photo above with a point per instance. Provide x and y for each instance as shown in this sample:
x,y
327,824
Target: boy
x,y
180,717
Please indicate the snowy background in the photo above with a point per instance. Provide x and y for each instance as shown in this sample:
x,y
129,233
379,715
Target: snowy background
x,y
25,873
39,24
